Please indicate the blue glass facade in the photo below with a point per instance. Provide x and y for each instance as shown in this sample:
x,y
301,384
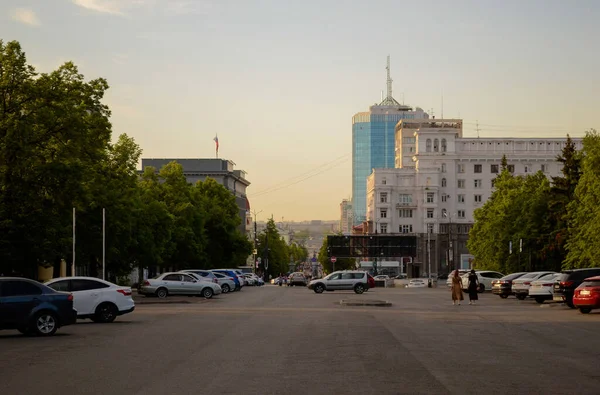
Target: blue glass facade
x,y
373,146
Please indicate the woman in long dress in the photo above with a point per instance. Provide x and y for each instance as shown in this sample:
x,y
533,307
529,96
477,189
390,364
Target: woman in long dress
x,y
473,287
457,294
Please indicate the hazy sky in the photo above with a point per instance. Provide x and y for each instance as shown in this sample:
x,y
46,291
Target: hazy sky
x,y
279,81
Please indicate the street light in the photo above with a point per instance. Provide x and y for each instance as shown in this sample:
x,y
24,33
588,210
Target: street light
x,y
450,250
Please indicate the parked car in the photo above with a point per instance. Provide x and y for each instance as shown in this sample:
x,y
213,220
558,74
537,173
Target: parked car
x,y
341,280
178,284
33,308
204,275
226,282
543,289
587,295
239,280
370,281
417,283
297,279
253,279
520,286
503,286
98,300
565,284
485,278
461,272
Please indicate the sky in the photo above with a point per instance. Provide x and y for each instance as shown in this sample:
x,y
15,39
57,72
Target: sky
x,y
279,81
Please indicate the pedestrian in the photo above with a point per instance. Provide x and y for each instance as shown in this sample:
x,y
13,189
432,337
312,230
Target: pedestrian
x,y
457,295
473,287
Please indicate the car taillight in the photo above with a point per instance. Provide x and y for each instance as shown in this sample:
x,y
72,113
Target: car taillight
x,y
146,283
566,283
70,297
124,292
527,283
231,278
215,280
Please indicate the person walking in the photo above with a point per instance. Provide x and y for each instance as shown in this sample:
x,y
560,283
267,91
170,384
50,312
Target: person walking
x,y
457,295
473,287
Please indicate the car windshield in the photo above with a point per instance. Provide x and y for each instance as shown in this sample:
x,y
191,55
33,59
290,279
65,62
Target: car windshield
x,y
528,275
590,283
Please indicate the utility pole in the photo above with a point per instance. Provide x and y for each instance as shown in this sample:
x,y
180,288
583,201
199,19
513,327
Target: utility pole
x,y
73,261
254,251
104,244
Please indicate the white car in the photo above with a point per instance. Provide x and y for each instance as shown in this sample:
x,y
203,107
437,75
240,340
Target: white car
x,y
543,289
416,283
98,300
449,280
485,278
250,280
520,286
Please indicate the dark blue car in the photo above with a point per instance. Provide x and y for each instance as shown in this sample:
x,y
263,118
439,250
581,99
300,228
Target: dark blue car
x,y
231,274
33,308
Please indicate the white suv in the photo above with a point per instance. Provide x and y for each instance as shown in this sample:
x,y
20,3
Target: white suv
x,y
98,300
355,280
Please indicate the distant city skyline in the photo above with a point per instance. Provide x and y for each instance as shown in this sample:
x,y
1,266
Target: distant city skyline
x,y
279,82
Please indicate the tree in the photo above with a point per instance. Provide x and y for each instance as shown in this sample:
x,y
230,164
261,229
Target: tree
x,y
272,247
583,211
324,258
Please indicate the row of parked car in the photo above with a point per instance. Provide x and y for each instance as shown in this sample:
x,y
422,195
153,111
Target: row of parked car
x,y
35,308
204,283
578,288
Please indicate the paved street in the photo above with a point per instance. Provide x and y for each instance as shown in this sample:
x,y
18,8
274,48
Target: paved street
x,y
274,340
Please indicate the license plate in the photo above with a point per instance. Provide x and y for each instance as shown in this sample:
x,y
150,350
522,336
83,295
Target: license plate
x,y
558,298
585,292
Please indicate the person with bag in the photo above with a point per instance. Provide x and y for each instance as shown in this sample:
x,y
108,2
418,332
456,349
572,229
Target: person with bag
x,y
473,287
457,294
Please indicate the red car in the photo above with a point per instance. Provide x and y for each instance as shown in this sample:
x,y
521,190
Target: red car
x,y
587,295
370,281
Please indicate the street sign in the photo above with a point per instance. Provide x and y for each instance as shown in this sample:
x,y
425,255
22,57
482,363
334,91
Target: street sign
x,y
333,259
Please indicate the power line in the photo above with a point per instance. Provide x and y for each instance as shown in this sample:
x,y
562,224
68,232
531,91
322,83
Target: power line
x,y
304,176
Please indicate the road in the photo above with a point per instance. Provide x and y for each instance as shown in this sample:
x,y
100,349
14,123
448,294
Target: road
x,y
274,340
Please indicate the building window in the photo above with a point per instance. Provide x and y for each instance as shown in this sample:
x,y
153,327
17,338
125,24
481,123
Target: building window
x,y
461,213
443,182
429,197
511,168
444,213
436,145
527,169
444,198
477,168
443,167
405,213
429,213
382,228
383,181
406,229
461,198
429,228
543,168
477,198
409,140
404,198
428,145
461,183
444,146
461,168
383,213
494,169
477,183
383,197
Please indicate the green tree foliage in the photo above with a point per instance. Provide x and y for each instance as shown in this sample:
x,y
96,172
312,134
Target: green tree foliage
x,y
272,247
584,208
56,154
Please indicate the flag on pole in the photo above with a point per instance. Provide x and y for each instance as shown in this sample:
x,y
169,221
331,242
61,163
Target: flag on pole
x,y
216,139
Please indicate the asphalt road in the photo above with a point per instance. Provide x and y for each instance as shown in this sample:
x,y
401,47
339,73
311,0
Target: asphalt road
x,y
275,340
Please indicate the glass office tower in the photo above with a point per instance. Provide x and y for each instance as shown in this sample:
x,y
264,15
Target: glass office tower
x,y
373,146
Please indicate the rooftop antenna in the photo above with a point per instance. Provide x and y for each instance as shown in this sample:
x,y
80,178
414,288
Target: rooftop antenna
x,y
477,127
402,98
389,78
382,95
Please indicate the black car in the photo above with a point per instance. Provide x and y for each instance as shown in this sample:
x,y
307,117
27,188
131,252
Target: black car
x,y
565,284
503,286
33,308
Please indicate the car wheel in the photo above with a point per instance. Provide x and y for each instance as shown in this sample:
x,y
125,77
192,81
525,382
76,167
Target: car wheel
x,y
504,296
481,288
359,288
45,324
105,313
162,293
207,293
225,288
319,288
521,297
540,300
585,310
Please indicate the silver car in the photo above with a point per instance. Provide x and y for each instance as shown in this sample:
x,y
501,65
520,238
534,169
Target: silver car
x,y
227,284
351,280
178,284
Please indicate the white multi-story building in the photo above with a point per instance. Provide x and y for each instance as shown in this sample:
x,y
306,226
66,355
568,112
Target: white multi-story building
x,y
441,178
346,216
